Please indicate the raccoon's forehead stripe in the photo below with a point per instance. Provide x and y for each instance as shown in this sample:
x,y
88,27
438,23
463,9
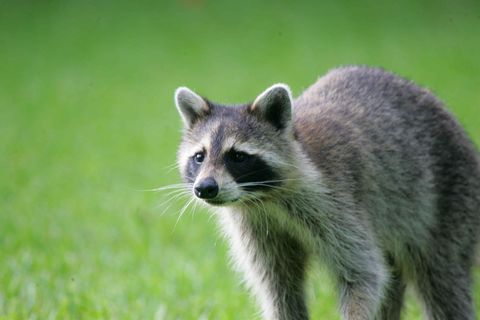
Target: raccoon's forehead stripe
x,y
213,142
217,140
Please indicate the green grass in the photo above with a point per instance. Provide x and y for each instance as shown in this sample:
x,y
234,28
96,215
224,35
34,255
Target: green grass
x,y
87,121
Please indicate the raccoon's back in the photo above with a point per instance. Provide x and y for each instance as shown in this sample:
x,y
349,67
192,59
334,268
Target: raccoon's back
x,y
384,140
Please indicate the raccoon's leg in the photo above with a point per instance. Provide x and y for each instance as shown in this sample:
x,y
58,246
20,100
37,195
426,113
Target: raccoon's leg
x,y
354,257
392,301
274,266
443,268
445,288
360,293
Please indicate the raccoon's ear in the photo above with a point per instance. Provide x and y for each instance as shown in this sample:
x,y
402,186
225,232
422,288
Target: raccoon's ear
x,y
190,106
274,105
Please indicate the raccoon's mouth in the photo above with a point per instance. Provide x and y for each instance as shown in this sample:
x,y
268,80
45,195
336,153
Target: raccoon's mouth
x,y
218,202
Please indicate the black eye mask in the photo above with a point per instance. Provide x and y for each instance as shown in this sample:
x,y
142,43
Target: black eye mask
x,y
250,170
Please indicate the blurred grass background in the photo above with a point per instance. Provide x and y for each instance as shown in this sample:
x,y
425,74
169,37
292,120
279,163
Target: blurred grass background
x,y
87,120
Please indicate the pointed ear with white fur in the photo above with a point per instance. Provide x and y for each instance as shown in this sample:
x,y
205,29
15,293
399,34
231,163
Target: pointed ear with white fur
x,y
274,105
190,106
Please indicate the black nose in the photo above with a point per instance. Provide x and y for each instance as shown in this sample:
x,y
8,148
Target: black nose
x,y
206,189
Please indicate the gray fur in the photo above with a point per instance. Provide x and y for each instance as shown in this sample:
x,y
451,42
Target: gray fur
x,y
379,182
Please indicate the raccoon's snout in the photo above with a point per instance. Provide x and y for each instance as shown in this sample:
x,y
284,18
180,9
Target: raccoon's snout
x,y
206,189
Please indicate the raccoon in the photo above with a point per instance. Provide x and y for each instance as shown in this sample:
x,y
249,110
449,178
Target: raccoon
x,y
365,171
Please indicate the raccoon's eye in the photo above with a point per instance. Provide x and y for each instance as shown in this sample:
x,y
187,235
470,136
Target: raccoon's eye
x,y
237,156
199,157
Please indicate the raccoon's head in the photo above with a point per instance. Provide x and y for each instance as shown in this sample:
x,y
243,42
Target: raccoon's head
x,y
232,154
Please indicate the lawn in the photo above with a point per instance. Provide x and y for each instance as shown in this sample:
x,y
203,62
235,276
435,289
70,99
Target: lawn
x,y
87,123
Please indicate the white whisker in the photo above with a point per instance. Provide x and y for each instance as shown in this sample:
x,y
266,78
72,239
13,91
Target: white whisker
x,y
168,187
168,203
182,212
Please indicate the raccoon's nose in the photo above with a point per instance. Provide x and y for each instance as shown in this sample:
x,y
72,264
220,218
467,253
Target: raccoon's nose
x,y
206,189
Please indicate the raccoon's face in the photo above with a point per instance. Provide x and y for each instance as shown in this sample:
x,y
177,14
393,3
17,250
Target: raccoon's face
x,y
233,154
